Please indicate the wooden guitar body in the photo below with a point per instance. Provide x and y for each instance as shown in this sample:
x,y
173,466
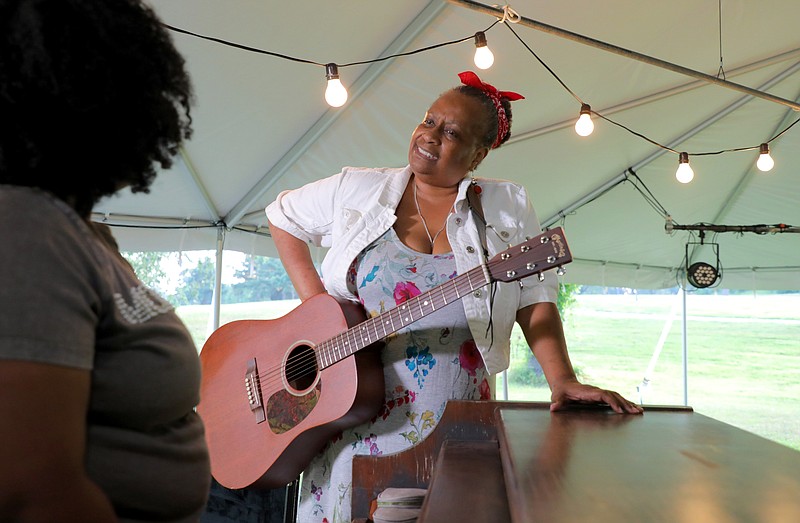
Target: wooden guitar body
x,y
262,425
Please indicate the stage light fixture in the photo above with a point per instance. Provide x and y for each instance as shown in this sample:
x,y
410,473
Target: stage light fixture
x,y
701,274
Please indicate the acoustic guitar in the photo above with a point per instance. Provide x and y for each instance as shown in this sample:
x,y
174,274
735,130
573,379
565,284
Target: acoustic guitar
x,y
274,392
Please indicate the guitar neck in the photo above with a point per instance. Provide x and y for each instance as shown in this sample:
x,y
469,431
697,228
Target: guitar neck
x,y
533,256
379,327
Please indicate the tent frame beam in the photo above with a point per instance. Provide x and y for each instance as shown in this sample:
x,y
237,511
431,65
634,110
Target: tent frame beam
x,y
627,53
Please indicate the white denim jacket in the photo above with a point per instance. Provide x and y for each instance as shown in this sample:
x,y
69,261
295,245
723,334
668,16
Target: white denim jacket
x,y
348,211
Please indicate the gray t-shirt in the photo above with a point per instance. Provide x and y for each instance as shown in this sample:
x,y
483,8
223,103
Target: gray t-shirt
x,y
67,298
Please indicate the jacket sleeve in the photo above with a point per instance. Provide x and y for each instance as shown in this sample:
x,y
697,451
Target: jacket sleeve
x,y
308,212
513,224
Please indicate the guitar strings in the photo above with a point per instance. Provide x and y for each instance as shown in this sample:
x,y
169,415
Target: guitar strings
x,y
309,361
306,364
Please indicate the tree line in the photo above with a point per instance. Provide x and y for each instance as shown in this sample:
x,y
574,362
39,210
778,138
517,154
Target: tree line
x,y
258,279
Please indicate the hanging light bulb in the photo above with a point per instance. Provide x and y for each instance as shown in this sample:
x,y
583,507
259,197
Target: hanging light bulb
x,y
684,174
584,126
483,55
765,162
335,93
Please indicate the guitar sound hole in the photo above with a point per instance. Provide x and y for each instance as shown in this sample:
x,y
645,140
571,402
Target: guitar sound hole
x,y
301,367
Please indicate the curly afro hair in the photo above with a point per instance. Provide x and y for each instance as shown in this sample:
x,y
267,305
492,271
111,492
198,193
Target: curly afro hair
x,y
93,97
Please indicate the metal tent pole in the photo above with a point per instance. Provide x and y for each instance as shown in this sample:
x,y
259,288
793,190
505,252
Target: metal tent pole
x,y
539,26
216,300
685,352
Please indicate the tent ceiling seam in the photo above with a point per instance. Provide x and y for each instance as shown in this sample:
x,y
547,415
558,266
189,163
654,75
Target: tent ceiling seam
x,y
200,186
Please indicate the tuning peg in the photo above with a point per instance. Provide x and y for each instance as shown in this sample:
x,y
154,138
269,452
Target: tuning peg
x,y
540,276
561,271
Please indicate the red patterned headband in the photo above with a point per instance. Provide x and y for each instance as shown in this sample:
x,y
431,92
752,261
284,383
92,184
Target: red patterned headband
x,y
471,79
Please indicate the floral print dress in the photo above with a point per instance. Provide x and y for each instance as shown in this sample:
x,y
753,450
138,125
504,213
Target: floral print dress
x,y
425,364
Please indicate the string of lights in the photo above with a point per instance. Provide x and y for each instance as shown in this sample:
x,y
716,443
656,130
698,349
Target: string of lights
x,y
336,92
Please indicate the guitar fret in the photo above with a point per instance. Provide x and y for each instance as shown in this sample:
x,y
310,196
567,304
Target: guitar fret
x,y
346,342
352,341
335,351
386,326
427,303
324,355
364,334
375,328
319,355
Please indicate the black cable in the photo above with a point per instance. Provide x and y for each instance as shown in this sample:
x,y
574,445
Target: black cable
x,y
240,46
301,60
416,51
649,197
570,91
530,50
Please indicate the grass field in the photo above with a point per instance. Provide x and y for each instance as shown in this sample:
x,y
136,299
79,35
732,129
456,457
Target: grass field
x,y
743,353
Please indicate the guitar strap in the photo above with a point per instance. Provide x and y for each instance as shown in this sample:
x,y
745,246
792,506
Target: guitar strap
x,y
474,202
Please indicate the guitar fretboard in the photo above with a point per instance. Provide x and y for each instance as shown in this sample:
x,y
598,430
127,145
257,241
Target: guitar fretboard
x,y
379,327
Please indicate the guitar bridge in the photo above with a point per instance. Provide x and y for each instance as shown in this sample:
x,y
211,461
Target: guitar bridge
x,y
252,385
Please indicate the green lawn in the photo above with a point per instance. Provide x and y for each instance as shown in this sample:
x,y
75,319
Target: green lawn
x,y
743,353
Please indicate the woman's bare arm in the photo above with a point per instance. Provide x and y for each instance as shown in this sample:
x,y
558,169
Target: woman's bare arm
x,y
296,258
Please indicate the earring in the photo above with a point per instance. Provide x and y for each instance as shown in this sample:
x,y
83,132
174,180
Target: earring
x,y
474,183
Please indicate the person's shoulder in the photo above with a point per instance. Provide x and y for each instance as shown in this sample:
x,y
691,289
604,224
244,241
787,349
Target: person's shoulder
x,y
29,205
497,182
372,171
494,185
374,177
38,222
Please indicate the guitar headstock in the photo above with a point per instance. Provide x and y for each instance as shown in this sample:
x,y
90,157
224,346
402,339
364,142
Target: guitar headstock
x,y
534,256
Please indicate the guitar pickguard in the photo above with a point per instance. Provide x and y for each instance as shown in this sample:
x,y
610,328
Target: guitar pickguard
x,y
286,410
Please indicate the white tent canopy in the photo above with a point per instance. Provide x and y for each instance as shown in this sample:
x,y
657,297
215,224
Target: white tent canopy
x,y
262,125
